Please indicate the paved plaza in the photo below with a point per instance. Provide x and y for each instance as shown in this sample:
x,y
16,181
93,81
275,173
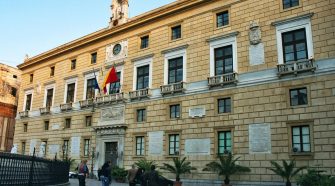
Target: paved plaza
x,y
93,182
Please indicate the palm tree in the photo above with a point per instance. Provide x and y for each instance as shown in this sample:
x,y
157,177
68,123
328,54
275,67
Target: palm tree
x,y
287,171
145,164
226,166
180,167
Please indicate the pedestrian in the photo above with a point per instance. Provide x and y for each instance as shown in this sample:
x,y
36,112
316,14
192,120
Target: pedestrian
x,y
131,175
139,180
82,172
152,177
106,175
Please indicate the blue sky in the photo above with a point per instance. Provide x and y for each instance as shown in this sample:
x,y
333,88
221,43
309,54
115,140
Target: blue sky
x,y
35,26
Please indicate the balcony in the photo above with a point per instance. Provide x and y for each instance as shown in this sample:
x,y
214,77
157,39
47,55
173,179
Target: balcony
x,y
108,99
45,110
222,80
172,88
86,103
66,106
24,114
138,94
296,67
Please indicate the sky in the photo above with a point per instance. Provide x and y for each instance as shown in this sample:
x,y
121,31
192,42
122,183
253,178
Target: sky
x,y
35,26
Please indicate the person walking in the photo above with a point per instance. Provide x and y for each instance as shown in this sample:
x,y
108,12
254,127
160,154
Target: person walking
x,y
152,177
131,175
139,180
106,177
82,172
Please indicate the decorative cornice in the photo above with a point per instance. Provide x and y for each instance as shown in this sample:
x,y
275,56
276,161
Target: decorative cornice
x,y
175,49
115,63
49,82
142,57
29,88
70,77
91,71
292,19
145,18
232,34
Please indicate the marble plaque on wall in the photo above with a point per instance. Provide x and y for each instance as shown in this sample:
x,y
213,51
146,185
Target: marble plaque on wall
x,y
156,143
32,146
53,149
55,126
256,54
75,146
259,138
197,112
111,116
197,146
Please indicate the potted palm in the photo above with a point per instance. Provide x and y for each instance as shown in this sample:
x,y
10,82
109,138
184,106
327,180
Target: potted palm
x,y
145,164
178,168
287,171
226,167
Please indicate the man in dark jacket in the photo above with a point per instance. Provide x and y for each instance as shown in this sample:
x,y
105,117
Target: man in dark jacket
x,y
82,172
106,177
152,177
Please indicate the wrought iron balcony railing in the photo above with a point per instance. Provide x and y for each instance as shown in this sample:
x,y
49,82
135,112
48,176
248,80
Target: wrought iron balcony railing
x,y
24,114
66,106
221,80
45,110
296,66
172,88
86,103
110,98
138,94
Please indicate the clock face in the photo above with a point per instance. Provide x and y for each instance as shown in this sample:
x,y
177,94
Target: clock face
x,y
116,49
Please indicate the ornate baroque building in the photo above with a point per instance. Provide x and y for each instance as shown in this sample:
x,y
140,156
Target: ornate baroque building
x,y
10,79
197,78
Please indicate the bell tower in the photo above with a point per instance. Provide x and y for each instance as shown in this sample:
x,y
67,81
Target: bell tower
x,y
119,14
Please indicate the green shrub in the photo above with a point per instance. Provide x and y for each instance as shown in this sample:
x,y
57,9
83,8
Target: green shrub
x,y
315,178
119,173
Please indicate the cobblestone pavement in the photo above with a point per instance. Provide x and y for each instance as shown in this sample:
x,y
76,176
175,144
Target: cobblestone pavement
x,y
92,182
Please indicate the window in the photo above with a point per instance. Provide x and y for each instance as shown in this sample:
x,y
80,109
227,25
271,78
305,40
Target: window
x,y
13,91
70,93
301,139
49,97
175,70
176,32
28,102
141,115
224,142
174,144
88,121
140,145
65,148
224,105
68,123
115,87
45,148
94,58
46,125
223,60
25,127
23,148
222,19
86,147
52,71
175,111
142,77
90,91
298,96
290,3
73,64
294,45
31,78
144,42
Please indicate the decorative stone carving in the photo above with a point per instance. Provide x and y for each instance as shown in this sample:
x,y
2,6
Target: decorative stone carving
x,y
111,58
119,12
255,36
112,116
14,149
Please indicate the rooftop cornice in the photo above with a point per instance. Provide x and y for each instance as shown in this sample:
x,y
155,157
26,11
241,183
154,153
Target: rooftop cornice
x,y
147,17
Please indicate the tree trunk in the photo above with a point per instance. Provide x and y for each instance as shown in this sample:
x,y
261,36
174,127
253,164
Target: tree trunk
x,y
288,182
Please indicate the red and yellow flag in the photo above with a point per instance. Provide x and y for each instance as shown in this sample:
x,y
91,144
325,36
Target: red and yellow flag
x,y
111,77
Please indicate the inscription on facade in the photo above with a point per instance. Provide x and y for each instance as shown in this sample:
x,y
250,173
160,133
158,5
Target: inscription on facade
x,y
156,143
55,127
259,138
75,146
197,112
197,146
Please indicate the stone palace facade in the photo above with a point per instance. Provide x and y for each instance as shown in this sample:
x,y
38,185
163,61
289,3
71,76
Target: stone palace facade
x,y
197,78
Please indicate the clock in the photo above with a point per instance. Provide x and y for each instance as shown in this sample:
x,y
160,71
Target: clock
x,y
116,49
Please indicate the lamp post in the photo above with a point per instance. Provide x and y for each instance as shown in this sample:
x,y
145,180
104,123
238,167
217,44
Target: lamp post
x,y
92,164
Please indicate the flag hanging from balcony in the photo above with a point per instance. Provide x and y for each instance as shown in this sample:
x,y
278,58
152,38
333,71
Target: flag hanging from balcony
x,y
110,78
96,84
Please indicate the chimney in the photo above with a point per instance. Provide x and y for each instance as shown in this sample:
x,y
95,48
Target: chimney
x,y
119,14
